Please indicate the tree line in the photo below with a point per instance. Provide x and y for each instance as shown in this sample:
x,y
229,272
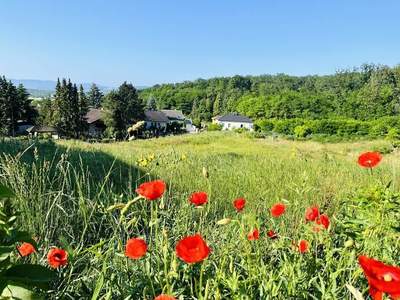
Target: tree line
x,y
364,93
67,109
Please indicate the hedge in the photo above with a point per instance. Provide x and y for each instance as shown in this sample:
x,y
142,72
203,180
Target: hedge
x,y
340,127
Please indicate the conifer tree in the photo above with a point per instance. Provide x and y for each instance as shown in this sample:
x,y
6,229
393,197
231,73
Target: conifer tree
x,y
68,110
15,105
83,110
12,107
95,96
27,112
3,107
217,106
151,103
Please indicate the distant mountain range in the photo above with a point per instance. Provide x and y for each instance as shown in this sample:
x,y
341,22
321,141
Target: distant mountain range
x,y
45,88
50,85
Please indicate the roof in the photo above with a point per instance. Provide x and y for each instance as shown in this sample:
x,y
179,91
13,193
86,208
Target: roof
x,y
173,114
94,115
235,117
155,116
42,129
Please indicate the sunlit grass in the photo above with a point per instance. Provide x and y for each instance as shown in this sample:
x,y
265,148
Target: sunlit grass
x,y
64,191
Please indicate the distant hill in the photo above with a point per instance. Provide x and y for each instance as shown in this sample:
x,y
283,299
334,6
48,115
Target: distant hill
x,y
39,93
37,88
44,88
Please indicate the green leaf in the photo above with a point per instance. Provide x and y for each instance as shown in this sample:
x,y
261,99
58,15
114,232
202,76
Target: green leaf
x,y
99,286
5,252
32,275
19,292
5,192
356,293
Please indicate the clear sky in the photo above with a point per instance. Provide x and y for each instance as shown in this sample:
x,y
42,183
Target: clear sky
x,y
156,41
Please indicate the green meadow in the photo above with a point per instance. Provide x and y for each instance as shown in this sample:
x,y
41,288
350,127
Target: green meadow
x,y
71,194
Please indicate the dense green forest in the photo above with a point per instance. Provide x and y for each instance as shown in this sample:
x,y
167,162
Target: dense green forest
x,y
364,93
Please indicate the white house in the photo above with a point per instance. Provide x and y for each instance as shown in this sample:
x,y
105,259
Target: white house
x,y
234,121
156,120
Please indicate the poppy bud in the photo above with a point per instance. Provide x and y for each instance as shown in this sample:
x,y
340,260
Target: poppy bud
x,y
349,243
205,172
224,221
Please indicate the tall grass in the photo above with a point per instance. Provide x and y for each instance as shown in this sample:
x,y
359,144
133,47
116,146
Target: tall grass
x,y
64,191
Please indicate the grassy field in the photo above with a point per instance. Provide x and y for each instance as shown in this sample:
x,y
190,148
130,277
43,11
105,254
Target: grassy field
x,y
64,190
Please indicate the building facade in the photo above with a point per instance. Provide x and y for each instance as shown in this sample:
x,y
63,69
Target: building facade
x,y
234,121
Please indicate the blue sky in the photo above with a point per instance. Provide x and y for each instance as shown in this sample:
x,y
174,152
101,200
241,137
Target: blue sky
x,y
156,41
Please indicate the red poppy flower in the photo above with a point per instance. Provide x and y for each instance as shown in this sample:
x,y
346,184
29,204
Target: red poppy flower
x,y
198,198
192,249
26,249
164,297
135,248
303,246
323,220
381,278
369,159
312,213
278,209
239,204
57,257
253,235
151,190
272,234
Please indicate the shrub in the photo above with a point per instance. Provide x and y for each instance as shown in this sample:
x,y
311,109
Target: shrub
x,y
264,125
302,131
378,129
214,127
240,130
352,127
384,149
259,135
326,126
287,126
393,134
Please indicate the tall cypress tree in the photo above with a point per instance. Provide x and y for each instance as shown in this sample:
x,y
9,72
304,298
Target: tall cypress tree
x,y
74,111
3,107
83,110
61,106
13,108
